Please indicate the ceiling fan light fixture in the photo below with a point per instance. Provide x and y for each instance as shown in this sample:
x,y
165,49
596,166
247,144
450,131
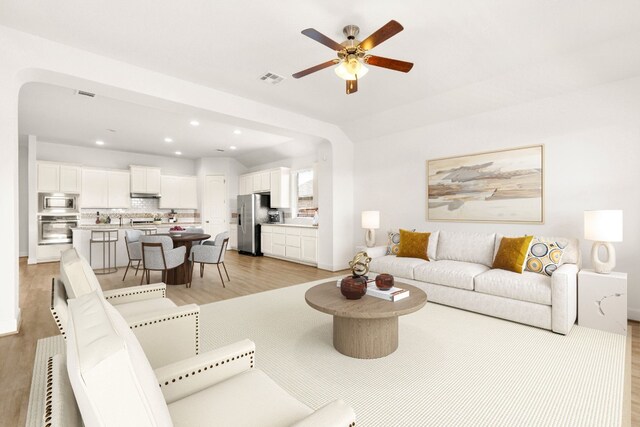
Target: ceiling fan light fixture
x,y
347,70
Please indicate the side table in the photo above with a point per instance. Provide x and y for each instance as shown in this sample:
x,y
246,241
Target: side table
x,y
602,301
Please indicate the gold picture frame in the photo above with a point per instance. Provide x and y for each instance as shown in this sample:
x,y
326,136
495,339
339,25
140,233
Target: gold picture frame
x,y
502,186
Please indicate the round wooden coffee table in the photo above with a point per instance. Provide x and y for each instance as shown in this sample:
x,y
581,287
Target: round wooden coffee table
x,y
366,328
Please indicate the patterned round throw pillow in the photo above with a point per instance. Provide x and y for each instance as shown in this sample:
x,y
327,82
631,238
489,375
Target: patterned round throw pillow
x,y
545,256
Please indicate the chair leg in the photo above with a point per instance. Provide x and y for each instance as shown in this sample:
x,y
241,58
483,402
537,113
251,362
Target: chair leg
x,y
148,277
125,271
142,277
137,267
201,269
164,276
220,273
225,270
193,264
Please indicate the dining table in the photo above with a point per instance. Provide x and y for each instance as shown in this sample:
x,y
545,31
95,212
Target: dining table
x,y
181,275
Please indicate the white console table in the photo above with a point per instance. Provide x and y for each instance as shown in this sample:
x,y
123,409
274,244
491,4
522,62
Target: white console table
x,y
602,301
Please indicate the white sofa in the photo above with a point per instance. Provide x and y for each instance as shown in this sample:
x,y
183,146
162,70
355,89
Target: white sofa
x,y
114,384
459,274
166,332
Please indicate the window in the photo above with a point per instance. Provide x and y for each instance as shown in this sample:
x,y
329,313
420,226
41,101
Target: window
x,y
305,204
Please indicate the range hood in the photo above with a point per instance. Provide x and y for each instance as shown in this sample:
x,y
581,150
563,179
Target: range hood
x,y
145,195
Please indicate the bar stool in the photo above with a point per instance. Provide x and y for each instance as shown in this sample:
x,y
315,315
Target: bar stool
x,y
106,238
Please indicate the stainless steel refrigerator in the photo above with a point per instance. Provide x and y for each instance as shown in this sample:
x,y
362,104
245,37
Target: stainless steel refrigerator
x,y
252,211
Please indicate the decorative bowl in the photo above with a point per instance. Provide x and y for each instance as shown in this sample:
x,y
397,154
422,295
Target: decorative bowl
x,y
353,287
384,281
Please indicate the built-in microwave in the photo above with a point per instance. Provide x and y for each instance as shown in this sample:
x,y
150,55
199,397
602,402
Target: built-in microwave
x,y
57,203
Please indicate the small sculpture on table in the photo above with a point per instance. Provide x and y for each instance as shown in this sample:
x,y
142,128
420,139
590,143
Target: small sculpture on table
x,y
355,286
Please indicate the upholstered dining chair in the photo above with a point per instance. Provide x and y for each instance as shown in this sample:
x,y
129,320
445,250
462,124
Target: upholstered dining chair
x,y
158,254
210,252
134,249
198,230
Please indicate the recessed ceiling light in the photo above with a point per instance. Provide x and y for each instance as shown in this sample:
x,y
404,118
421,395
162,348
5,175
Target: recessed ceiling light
x,y
237,131
194,123
233,147
168,140
178,153
99,142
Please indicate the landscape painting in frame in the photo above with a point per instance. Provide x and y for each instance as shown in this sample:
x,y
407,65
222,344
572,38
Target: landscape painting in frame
x,y
499,186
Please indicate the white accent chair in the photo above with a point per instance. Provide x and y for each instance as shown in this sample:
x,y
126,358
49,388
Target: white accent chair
x,y
211,252
198,230
114,384
167,332
158,254
134,249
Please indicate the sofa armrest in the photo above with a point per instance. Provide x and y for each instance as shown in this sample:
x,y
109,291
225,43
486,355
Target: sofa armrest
x,y
136,293
168,335
60,408
192,375
336,413
375,252
564,298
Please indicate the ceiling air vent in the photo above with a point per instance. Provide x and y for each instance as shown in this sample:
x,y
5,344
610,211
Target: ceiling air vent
x,y
271,78
85,93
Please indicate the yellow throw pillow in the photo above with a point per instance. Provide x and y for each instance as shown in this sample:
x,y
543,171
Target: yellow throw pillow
x,y
512,253
413,245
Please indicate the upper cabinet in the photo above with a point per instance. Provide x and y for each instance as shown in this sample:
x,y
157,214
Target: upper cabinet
x,y
58,178
280,184
145,180
105,189
179,192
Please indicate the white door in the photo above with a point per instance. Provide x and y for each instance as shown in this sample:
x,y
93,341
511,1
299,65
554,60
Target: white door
x,y
214,207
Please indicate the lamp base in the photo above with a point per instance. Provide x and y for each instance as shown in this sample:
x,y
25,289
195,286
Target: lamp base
x,y
600,266
370,237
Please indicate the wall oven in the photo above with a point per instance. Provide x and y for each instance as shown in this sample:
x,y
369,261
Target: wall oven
x,y
57,203
53,229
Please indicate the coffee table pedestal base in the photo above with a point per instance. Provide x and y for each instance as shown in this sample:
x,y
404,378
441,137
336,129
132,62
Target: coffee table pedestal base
x,y
365,338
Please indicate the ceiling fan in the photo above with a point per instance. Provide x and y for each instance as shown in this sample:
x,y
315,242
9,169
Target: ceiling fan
x,y
352,54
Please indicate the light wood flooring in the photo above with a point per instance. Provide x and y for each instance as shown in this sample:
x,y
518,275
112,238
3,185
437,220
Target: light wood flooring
x,y
248,275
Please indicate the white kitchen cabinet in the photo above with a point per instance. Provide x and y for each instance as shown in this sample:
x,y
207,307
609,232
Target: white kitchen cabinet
x,y
179,192
256,185
118,190
265,181
233,236
266,241
297,244
280,184
95,187
309,246
58,178
145,180
246,185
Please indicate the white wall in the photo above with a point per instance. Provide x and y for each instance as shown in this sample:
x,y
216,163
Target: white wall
x,y
592,152
110,159
23,188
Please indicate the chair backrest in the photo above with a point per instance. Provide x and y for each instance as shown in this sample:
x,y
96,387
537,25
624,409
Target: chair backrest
x,y
132,235
222,239
77,275
198,230
112,379
153,251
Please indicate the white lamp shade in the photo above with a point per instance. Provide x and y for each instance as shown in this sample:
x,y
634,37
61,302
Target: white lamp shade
x,y
603,226
371,219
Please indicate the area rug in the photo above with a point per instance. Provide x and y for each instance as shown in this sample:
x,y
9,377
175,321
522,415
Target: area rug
x,y
452,367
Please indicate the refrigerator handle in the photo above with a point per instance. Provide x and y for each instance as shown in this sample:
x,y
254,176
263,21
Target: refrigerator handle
x,y
240,220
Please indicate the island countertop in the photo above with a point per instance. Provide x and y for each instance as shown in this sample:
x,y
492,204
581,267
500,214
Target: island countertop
x,y
136,226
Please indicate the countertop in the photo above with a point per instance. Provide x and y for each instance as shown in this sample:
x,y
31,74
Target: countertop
x,y
292,225
138,226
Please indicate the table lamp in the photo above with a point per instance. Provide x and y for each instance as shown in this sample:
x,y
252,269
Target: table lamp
x,y
370,222
603,227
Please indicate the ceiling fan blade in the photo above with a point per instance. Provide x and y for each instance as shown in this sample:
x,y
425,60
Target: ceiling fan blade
x,y
321,38
352,86
392,64
387,31
314,69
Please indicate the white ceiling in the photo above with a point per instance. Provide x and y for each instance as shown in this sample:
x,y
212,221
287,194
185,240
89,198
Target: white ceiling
x,y
455,45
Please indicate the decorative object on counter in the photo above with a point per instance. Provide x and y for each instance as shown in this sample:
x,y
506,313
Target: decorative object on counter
x,y
108,219
157,219
603,227
172,216
316,219
98,217
355,286
384,281
370,222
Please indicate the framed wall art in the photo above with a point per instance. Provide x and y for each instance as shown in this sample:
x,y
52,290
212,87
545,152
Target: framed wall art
x,y
497,186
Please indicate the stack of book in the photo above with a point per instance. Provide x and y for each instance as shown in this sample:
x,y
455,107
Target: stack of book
x,y
393,294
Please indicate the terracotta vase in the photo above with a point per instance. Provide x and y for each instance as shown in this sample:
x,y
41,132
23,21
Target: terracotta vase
x,y
384,281
353,287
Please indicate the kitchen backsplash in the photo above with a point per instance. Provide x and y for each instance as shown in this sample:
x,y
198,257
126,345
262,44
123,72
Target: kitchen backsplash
x,y
141,208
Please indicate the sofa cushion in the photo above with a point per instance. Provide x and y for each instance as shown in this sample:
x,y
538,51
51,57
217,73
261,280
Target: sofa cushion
x,y
393,244
142,307
109,373
77,275
457,274
398,267
246,399
531,287
468,247
413,245
512,253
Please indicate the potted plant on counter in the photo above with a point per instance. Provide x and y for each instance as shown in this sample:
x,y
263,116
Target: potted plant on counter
x,y
157,219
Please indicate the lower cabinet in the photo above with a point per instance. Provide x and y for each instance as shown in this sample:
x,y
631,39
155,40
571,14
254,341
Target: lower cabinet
x,y
298,244
233,236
